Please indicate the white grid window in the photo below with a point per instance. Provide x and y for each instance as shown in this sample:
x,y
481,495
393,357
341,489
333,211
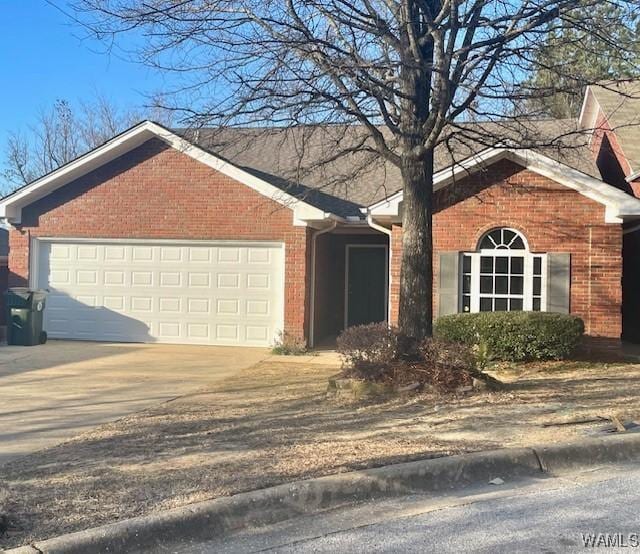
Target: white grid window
x,y
502,275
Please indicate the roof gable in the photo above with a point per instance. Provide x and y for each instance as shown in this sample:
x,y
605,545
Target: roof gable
x,y
617,204
619,102
11,206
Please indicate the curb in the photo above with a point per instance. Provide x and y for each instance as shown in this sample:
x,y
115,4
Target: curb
x,y
213,518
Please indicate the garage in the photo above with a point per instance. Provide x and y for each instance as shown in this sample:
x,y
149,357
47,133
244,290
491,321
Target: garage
x,y
196,292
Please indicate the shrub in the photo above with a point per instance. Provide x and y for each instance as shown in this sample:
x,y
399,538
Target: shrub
x,y
4,510
514,336
449,366
368,349
287,344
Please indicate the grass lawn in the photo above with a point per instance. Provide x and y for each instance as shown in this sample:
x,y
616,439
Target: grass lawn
x,y
273,423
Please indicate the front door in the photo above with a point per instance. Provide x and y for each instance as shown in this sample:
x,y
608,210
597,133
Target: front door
x,y
366,284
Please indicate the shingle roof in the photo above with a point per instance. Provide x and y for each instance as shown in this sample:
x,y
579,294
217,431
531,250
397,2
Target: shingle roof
x,y
620,102
331,167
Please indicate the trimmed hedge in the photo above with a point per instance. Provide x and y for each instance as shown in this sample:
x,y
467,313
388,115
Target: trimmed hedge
x,y
514,336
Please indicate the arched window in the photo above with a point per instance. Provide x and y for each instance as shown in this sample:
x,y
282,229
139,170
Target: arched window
x,y
503,275
502,239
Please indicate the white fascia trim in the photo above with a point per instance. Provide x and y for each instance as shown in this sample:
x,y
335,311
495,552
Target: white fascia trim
x,y
633,176
617,203
590,110
389,206
588,101
10,207
173,242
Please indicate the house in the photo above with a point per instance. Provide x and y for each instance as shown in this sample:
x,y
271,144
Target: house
x,y
611,111
228,236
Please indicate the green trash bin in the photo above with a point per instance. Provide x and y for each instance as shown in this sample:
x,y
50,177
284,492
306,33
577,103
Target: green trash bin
x,y
25,312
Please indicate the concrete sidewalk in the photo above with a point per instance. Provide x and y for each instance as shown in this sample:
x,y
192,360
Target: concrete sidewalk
x,y
51,392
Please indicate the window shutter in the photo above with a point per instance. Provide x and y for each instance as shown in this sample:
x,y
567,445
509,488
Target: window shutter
x,y
448,288
558,282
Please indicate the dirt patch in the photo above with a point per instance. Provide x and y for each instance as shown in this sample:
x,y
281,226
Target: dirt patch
x,y
272,423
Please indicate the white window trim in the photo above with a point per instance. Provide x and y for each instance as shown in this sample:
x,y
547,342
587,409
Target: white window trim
x,y
527,291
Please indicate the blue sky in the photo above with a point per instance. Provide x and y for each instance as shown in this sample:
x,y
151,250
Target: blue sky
x,y
44,56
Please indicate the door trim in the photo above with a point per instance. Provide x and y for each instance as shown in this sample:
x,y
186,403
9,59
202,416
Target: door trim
x,y
346,276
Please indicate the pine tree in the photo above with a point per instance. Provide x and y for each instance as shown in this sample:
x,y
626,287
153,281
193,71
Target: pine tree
x,y
573,56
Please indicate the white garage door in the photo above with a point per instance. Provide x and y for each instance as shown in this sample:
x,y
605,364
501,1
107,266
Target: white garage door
x,y
200,293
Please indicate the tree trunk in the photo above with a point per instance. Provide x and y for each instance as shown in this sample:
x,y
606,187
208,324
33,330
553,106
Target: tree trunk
x,y
416,272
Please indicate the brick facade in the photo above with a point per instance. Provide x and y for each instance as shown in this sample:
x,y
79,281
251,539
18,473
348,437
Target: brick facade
x,y
552,217
155,192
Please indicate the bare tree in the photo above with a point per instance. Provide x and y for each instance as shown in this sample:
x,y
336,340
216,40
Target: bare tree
x,y
61,134
407,72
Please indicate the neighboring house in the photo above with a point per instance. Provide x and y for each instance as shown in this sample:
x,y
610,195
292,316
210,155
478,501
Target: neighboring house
x,y
611,112
227,237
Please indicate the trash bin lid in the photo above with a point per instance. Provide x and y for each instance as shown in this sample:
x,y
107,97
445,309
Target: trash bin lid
x,y
17,297
23,292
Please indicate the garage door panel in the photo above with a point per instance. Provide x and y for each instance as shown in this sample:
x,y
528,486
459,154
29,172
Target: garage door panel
x,y
142,254
114,278
171,254
185,293
59,278
60,252
114,253
114,303
88,252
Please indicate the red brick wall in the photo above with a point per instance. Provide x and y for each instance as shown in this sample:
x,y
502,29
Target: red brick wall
x,y
157,192
395,259
552,217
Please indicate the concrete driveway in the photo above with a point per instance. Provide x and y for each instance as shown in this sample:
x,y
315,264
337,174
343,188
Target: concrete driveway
x,y
52,392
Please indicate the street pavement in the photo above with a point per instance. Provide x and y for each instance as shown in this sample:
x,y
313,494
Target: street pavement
x,y
597,510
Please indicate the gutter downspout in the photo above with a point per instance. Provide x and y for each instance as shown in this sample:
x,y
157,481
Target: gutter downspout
x,y
312,300
4,224
387,232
